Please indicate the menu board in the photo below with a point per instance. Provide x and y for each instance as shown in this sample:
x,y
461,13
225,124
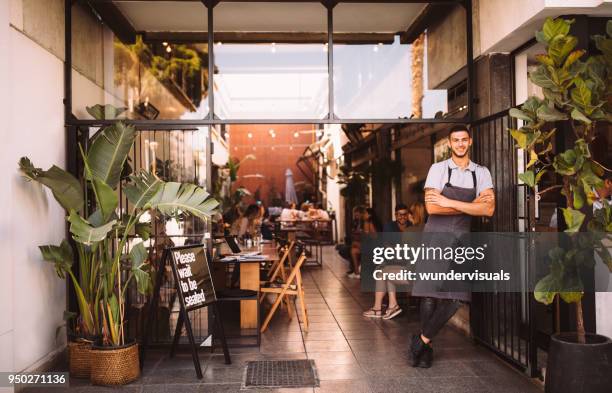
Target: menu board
x,y
192,275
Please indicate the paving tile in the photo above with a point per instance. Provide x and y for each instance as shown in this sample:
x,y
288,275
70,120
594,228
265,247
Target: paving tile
x,y
343,386
223,374
340,371
326,358
327,346
282,347
323,326
319,335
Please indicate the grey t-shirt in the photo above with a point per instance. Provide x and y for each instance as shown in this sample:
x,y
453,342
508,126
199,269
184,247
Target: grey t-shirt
x,y
438,176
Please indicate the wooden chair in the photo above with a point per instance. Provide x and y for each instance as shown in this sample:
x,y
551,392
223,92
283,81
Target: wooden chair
x,y
292,286
277,268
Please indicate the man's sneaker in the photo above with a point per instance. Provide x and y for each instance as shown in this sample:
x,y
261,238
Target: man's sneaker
x,y
354,275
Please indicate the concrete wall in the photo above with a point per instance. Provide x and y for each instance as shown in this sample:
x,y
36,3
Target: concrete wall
x,y
446,47
6,280
33,298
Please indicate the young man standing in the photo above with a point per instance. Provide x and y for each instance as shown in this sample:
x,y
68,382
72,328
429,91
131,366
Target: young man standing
x,y
455,191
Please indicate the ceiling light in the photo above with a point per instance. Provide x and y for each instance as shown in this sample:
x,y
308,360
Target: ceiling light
x,y
168,49
164,43
250,135
296,134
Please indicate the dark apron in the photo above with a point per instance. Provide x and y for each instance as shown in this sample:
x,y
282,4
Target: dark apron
x,y
446,232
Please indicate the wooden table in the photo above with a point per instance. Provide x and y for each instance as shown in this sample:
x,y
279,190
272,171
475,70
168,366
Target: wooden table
x,y
249,279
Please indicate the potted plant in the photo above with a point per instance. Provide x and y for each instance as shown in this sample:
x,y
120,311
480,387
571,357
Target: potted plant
x,y
577,95
106,257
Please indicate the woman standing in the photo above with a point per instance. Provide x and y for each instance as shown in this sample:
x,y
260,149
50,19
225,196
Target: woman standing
x,y
369,224
416,219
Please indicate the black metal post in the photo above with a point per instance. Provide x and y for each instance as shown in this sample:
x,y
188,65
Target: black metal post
x,y
210,5
471,77
330,57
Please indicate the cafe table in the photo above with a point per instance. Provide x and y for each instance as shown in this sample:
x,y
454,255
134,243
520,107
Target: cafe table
x,y
250,279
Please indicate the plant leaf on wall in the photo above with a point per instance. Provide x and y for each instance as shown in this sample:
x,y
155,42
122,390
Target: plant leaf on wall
x,y
65,188
61,256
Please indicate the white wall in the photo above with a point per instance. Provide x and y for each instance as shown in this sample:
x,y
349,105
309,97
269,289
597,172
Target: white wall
x,y
35,129
6,279
504,25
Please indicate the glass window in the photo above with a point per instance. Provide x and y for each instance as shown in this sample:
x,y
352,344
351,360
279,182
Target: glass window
x,y
153,74
276,66
377,73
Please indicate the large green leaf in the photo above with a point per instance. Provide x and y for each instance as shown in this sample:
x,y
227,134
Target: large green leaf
x,y
174,198
541,77
555,27
103,112
560,47
65,188
61,256
142,188
106,197
86,234
138,255
109,151
550,113
528,177
581,94
573,219
573,57
546,289
579,116
519,114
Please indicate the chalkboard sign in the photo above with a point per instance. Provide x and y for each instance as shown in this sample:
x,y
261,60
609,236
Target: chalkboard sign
x,y
192,275
195,290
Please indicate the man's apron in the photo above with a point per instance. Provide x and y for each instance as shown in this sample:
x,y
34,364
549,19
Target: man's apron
x,y
446,231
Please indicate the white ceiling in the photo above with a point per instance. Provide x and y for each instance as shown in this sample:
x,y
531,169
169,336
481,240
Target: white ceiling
x,y
191,16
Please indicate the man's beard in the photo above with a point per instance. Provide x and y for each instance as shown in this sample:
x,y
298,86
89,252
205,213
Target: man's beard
x,y
454,153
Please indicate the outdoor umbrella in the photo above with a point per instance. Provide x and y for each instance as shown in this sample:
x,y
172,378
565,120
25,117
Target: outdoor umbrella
x,y
290,195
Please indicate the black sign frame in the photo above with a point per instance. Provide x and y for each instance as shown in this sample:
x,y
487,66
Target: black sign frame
x,y
183,320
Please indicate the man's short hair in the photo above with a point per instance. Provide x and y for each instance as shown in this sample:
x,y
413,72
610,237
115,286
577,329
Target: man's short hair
x,y
460,128
400,206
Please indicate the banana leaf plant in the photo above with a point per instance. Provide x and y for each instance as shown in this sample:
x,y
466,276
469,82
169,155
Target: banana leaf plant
x,y
107,262
577,94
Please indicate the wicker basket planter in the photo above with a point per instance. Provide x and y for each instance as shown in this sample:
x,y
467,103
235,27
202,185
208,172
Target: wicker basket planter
x,y
79,355
114,365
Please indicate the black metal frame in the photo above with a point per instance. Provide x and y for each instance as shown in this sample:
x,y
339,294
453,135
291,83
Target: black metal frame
x,y
211,119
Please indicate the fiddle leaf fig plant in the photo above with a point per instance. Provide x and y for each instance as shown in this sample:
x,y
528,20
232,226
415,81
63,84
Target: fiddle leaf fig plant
x,y
108,261
577,94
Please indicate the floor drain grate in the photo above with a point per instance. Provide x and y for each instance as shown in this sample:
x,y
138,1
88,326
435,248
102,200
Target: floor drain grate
x,y
280,374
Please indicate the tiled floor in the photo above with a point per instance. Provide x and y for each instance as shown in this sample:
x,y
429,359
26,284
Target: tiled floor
x,y
352,354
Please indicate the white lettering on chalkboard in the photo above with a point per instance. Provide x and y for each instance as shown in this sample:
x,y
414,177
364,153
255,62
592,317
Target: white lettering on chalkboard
x,y
188,286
